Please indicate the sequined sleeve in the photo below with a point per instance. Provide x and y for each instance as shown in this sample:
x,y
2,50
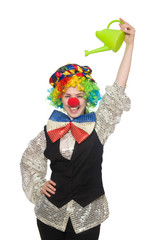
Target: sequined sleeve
x,y
111,107
33,168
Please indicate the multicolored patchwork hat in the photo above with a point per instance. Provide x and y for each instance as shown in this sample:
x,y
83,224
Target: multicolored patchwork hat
x,y
68,71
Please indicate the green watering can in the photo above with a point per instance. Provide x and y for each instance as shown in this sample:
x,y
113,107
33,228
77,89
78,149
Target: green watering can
x,y
111,38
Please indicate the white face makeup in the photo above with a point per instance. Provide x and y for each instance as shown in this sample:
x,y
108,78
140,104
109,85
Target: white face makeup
x,y
73,92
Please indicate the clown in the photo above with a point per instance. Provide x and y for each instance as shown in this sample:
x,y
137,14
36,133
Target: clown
x,y
75,76
72,204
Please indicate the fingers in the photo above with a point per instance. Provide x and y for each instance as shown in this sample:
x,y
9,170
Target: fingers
x,y
126,27
127,30
48,188
52,182
123,21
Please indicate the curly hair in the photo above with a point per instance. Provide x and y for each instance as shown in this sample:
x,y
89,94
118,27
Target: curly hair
x,y
73,75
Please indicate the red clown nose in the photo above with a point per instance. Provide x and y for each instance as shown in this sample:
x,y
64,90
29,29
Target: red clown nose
x,y
73,102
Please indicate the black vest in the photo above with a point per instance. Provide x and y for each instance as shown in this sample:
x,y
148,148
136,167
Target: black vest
x,y
80,178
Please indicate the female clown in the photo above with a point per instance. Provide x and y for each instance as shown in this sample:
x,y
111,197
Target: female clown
x,y
72,204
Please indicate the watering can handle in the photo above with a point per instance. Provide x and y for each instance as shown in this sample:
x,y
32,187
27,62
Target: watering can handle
x,y
113,22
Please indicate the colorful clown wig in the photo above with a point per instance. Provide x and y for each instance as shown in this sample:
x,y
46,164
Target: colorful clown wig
x,y
73,75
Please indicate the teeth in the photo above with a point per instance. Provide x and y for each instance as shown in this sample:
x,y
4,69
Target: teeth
x,y
74,108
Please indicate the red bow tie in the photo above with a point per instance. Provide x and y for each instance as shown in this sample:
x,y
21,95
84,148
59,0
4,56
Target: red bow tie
x,y
59,124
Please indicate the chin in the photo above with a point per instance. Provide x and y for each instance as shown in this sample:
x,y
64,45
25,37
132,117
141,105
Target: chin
x,y
76,114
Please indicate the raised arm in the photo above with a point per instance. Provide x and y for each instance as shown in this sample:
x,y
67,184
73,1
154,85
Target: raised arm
x,y
115,101
123,72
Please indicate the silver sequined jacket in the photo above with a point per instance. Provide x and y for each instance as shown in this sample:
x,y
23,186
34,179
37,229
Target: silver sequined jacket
x,y
34,167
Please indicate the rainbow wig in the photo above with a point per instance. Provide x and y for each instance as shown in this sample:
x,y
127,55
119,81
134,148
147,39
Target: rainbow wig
x,y
73,75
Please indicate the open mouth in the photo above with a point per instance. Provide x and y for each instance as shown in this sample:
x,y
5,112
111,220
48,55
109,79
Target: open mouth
x,y
74,109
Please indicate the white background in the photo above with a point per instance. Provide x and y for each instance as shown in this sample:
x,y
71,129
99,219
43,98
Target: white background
x,y
36,38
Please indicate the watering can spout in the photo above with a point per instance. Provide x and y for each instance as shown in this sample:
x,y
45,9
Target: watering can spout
x,y
101,49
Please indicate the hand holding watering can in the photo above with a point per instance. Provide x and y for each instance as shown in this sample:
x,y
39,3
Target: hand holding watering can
x,y
129,32
112,38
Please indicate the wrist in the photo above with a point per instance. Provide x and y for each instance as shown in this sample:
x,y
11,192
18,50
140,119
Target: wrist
x,y
130,45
